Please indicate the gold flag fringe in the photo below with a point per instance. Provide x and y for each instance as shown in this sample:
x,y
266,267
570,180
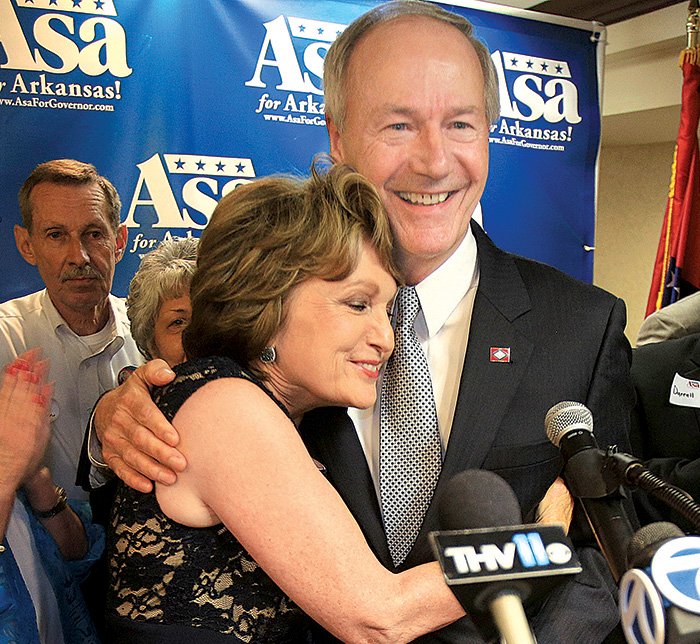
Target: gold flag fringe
x,y
669,221
690,55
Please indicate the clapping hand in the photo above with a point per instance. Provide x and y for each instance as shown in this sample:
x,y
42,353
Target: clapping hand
x,y
25,397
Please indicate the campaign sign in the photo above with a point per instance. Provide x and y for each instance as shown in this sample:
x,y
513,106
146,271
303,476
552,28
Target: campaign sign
x,y
177,108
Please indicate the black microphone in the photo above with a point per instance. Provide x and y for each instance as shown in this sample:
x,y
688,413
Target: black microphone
x,y
569,426
493,571
659,596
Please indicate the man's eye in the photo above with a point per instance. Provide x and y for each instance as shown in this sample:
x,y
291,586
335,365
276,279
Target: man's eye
x,y
54,235
398,127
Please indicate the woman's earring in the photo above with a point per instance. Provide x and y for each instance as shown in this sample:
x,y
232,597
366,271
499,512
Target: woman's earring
x,y
268,355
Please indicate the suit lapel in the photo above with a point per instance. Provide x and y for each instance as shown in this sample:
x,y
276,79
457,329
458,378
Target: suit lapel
x,y
486,387
330,437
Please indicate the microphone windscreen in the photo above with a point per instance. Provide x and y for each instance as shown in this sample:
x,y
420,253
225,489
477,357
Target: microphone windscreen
x,y
565,417
476,499
646,541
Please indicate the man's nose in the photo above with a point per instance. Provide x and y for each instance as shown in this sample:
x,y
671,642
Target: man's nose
x,y
77,253
430,156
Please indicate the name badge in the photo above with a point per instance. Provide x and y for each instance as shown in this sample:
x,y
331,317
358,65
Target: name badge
x,y
684,392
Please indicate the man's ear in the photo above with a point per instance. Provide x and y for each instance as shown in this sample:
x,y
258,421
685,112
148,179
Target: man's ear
x,y
122,236
23,241
335,140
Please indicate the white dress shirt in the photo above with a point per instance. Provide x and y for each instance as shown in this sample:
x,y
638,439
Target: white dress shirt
x,y
82,368
447,300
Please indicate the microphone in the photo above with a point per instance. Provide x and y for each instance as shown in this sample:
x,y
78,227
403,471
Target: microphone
x,y
569,426
494,571
659,596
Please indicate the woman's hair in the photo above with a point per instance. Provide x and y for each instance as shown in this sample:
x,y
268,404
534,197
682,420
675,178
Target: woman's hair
x,y
265,238
164,274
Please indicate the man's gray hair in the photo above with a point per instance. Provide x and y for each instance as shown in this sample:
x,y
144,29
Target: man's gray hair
x,y
337,60
164,274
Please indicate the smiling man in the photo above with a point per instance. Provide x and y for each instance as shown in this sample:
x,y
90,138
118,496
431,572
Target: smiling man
x,y
413,120
410,94
71,232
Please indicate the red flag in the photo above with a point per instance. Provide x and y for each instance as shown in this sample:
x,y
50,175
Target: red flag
x,y
677,266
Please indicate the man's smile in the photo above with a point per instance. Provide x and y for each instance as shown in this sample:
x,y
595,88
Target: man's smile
x,y
425,199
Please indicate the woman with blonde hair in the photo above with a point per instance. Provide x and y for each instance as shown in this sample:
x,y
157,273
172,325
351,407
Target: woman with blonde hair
x,y
290,311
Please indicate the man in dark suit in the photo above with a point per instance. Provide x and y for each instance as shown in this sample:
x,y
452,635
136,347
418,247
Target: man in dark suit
x,y
565,348
410,95
666,419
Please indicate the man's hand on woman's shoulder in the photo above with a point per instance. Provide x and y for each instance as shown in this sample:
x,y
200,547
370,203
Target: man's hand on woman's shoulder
x,y
138,443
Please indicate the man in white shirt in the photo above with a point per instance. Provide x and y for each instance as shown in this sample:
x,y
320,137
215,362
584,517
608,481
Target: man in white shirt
x,y
71,232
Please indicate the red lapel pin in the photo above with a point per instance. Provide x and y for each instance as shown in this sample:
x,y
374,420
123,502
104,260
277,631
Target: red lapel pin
x,y
499,354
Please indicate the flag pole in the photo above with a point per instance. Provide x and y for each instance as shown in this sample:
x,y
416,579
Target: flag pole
x,y
692,26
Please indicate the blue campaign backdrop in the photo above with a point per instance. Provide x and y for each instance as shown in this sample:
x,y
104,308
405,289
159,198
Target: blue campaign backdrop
x,y
178,105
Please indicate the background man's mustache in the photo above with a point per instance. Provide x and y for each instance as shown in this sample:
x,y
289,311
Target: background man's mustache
x,y
78,273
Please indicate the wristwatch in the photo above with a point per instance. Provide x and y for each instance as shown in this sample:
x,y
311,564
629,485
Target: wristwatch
x,y
60,505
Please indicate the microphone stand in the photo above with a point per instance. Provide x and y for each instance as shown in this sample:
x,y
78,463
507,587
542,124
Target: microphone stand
x,y
625,469
602,501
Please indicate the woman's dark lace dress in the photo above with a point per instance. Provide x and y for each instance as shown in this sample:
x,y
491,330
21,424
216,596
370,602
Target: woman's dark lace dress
x,y
170,582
